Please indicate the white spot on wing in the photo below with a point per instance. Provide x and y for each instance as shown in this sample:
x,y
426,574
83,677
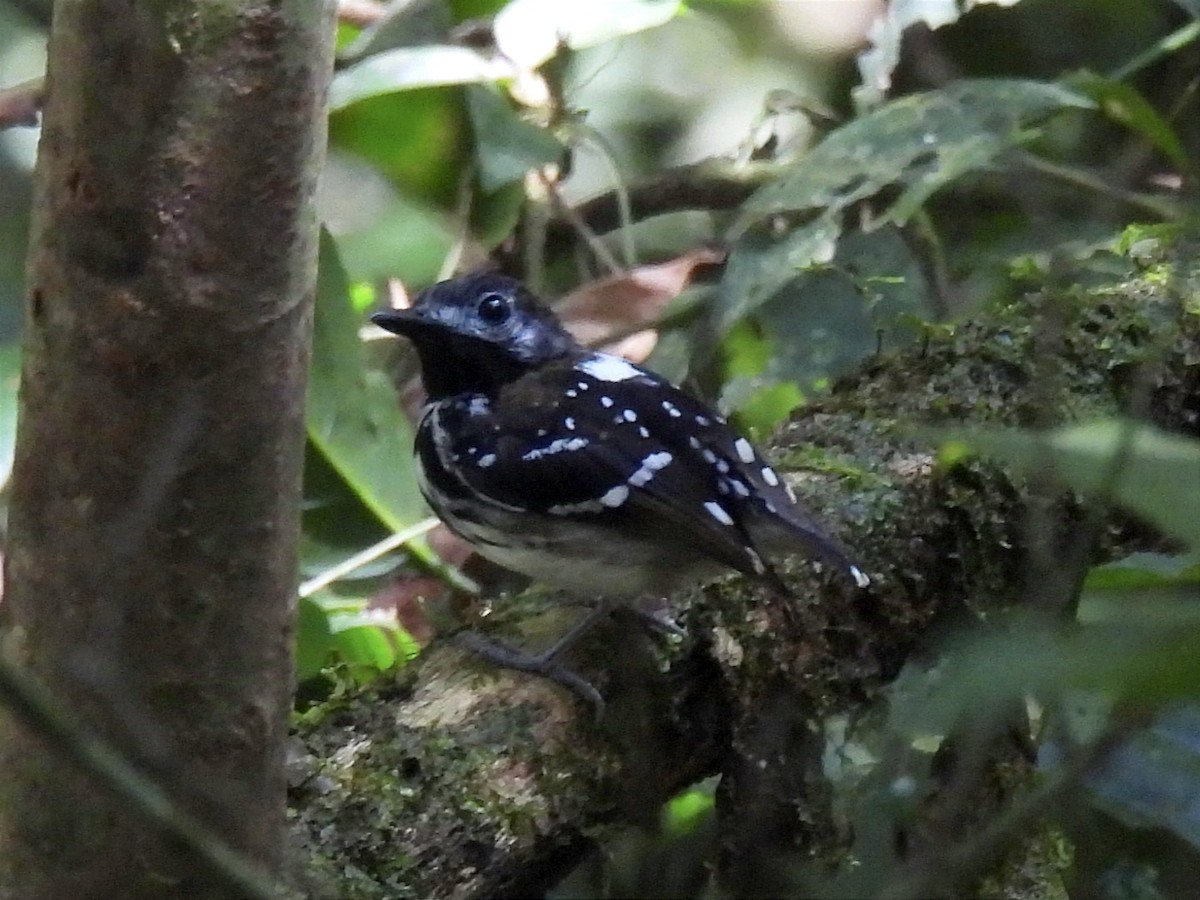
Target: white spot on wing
x,y
606,402
739,487
744,451
478,407
650,465
643,432
607,368
703,420
694,442
615,496
860,577
710,457
672,409
572,393
629,415
486,460
717,511
569,423
557,446
769,476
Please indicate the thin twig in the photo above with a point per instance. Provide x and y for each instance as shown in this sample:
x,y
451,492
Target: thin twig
x,y
620,192
1158,207
363,557
581,227
1176,40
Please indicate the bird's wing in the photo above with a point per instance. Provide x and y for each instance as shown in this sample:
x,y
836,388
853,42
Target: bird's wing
x,y
642,455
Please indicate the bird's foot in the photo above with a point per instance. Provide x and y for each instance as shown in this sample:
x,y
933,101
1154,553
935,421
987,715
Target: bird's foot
x,y
545,663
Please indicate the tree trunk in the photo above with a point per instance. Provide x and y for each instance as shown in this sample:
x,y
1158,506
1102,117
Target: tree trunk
x,y
155,493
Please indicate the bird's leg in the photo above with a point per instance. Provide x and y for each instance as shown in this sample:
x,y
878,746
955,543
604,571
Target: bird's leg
x,y
651,622
545,663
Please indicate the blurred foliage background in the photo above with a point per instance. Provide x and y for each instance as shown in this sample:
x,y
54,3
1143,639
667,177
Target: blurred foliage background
x,y
871,173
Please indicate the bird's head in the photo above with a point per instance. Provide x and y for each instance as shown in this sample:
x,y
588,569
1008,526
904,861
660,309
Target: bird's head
x,y
477,333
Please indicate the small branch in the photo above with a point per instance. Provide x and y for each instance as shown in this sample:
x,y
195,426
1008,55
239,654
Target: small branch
x,y
712,185
369,555
1155,206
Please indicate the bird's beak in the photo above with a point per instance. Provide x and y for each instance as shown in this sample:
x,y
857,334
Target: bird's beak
x,y
402,321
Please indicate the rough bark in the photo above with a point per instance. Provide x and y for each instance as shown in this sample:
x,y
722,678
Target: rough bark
x,y
150,568
458,781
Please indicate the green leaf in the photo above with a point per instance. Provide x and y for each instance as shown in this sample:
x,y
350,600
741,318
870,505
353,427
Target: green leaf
x,y
410,24
506,146
406,68
1123,103
826,321
354,419
419,140
687,811
529,32
1149,472
313,639
918,143
361,643
1144,571
767,406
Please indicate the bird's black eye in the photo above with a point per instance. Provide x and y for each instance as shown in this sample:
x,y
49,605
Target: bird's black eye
x,y
493,309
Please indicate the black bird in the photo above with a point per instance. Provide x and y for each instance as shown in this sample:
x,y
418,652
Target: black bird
x,y
579,469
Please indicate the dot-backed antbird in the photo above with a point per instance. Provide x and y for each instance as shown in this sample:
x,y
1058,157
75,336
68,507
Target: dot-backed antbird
x,y
579,469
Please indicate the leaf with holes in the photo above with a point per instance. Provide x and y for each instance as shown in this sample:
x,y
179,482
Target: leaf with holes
x,y
916,145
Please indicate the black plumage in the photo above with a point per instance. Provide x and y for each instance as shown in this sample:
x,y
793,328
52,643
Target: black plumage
x,y
577,468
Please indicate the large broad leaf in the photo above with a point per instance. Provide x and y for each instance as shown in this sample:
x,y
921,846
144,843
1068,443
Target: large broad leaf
x,y
506,146
529,32
1149,472
409,24
406,68
918,144
353,416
